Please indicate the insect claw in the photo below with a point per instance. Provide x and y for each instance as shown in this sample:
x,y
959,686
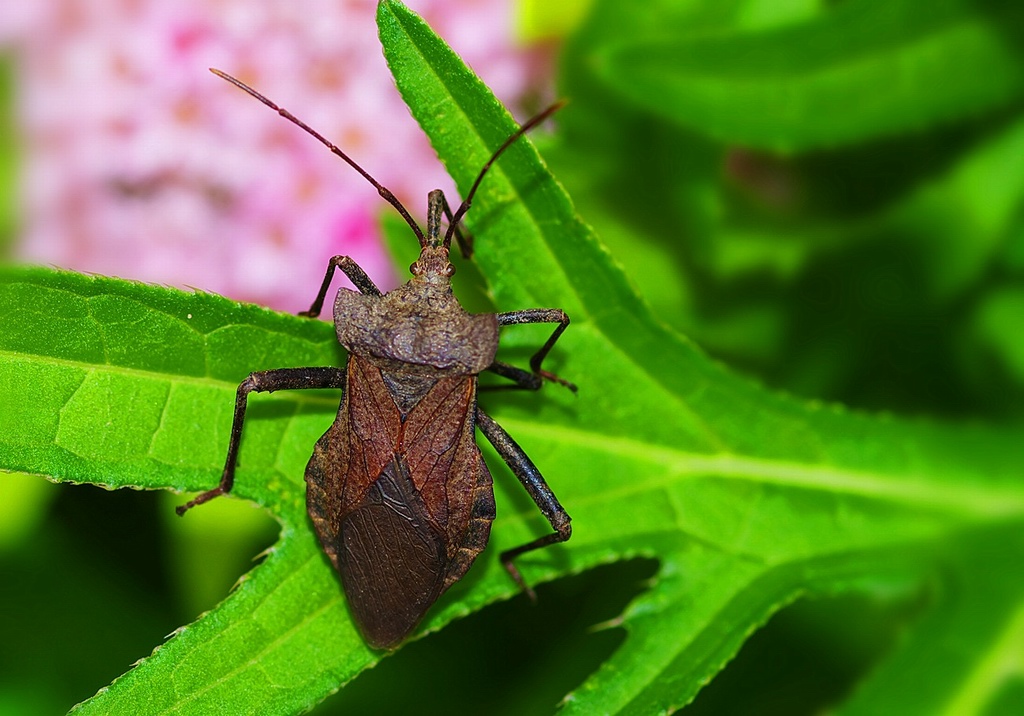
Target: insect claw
x,y
561,381
198,500
517,577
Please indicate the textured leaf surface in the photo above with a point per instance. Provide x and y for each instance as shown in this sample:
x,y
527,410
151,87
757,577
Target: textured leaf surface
x,y
748,499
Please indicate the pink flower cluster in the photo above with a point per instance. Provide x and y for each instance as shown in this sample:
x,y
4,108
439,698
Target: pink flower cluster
x,y
139,163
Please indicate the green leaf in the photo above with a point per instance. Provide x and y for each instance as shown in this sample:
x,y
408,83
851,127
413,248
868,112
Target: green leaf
x,y
862,70
840,274
967,647
997,324
748,499
123,384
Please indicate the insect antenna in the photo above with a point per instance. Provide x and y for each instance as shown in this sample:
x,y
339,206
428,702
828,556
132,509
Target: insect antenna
x,y
381,189
468,201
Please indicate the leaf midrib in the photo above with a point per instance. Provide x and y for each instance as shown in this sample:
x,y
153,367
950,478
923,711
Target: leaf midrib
x,y
912,489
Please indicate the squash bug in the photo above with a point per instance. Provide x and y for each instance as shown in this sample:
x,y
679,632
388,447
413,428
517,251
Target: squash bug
x,y
397,488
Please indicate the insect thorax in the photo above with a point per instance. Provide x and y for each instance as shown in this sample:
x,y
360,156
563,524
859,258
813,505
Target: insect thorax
x,y
415,328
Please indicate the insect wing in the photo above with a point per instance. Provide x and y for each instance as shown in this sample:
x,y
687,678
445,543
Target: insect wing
x,y
449,470
391,559
402,504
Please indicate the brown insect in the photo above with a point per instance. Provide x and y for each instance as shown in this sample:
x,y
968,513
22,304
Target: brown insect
x,y
397,489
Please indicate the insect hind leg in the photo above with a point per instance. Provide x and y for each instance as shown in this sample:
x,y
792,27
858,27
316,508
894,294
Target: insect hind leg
x,y
539,492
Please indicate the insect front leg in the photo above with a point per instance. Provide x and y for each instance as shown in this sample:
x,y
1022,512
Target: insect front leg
x,y
355,274
266,381
534,378
539,492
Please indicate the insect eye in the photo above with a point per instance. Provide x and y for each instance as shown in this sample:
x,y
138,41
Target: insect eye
x,y
449,270
414,268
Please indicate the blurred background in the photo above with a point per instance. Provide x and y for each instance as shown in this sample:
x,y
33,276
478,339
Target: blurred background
x,y
827,195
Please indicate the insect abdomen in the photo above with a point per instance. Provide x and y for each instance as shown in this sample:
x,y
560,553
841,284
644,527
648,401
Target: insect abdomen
x,y
392,559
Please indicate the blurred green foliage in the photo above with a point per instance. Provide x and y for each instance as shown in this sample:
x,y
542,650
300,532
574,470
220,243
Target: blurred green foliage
x,y
827,195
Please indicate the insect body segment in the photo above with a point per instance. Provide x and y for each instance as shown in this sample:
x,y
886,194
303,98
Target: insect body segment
x,y
397,489
420,327
400,497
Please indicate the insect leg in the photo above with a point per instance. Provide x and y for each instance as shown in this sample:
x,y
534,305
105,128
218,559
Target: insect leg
x,y
355,274
266,381
539,492
531,380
